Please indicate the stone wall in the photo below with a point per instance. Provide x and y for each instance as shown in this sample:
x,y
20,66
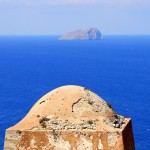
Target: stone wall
x,y
71,118
69,140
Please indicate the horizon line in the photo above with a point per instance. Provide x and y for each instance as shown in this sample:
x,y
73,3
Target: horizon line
x,y
63,34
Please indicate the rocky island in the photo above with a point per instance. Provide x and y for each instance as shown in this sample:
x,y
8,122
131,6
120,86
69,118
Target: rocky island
x,y
89,34
71,118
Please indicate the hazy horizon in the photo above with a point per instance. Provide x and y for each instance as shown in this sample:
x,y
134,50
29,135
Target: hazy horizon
x,y
49,17
67,32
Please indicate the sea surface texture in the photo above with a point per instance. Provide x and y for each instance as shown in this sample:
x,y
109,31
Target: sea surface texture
x,y
116,68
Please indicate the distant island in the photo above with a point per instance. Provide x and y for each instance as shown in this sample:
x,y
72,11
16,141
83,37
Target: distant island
x,y
88,34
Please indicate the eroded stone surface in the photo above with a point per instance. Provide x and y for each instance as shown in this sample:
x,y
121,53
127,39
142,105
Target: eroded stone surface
x,y
55,124
116,121
92,103
71,118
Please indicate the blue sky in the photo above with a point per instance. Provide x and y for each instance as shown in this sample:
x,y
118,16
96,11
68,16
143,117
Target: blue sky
x,y
49,17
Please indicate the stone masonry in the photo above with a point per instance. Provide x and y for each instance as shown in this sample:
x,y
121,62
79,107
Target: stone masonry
x,y
71,118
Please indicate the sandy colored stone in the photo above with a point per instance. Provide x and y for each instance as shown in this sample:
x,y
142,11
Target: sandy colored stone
x,y
71,118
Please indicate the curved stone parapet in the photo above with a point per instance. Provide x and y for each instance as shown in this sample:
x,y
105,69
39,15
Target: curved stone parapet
x,y
71,118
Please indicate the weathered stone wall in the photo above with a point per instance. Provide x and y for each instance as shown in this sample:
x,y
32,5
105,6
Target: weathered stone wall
x,y
57,140
71,118
69,140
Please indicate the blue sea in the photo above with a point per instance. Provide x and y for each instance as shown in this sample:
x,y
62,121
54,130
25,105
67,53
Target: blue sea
x,y
116,68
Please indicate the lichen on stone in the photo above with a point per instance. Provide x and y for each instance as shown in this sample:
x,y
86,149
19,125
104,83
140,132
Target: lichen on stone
x,y
117,121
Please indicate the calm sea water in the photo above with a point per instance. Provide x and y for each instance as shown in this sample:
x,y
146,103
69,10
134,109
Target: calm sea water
x,y
117,68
